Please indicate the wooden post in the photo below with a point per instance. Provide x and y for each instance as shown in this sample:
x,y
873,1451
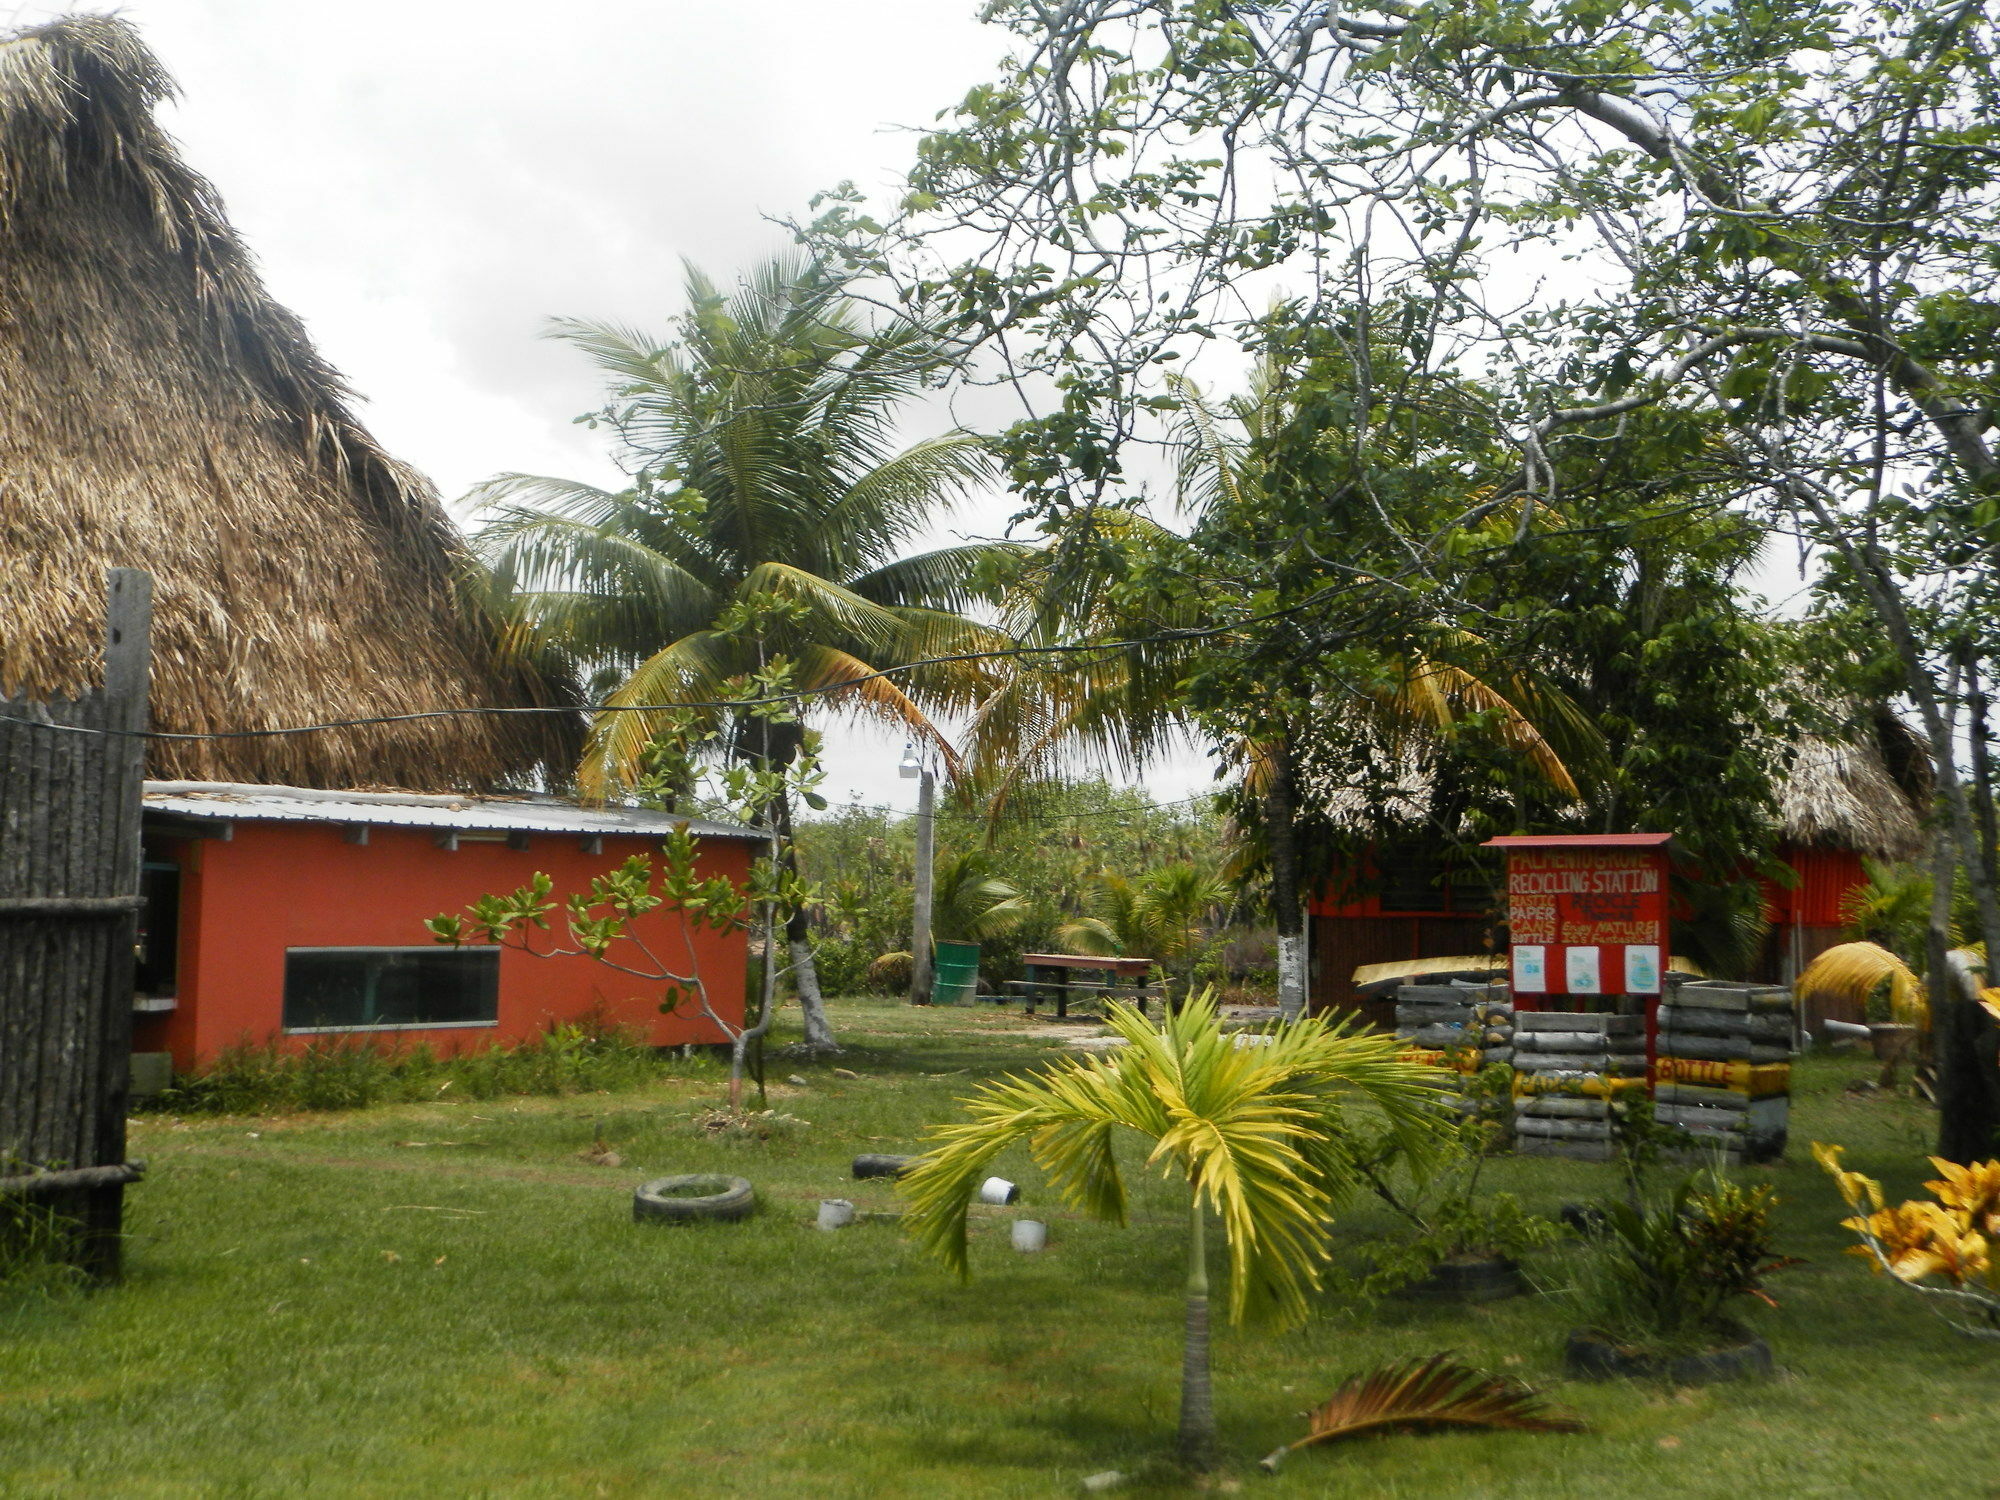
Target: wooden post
x,y
926,878
69,895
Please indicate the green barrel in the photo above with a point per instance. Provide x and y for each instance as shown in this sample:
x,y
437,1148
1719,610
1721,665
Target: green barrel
x,y
954,973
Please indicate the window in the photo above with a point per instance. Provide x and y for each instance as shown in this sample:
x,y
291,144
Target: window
x,y
353,989
1412,878
159,929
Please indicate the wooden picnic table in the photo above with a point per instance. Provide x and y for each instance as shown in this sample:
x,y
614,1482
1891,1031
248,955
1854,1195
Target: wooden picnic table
x,y
1058,983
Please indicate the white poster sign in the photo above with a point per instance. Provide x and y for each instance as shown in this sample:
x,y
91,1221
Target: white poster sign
x,y
1642,969
1531,969
1580,970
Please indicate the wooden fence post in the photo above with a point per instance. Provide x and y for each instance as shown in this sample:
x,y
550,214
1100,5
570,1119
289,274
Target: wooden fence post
x,y
69,902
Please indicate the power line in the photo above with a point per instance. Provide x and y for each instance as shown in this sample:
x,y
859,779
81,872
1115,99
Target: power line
x,y
1049,817
1188,634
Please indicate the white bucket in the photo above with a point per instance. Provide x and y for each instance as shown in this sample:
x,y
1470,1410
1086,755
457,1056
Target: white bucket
x,y
998,1190
1030,1235
835,1213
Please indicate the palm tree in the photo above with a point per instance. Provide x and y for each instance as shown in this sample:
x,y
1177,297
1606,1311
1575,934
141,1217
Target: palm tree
x,y
1257,1132
765,527
1161,915
971,903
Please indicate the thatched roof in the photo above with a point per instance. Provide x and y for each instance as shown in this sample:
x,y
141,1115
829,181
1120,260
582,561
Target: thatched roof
x,y
1862,783
1862,788
159,410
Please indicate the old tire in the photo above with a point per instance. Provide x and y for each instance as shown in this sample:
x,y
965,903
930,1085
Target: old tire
x,y
1485,1280
1591,1356
695,1198
873,1164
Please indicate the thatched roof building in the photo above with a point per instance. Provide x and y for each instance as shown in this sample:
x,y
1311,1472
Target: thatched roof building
x,y
1860,783
159,410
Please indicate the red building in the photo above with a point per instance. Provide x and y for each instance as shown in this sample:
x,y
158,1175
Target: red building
x,y
285,912
1860,795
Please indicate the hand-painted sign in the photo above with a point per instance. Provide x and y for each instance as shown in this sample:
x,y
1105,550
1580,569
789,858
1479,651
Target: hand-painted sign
x,y
1587,914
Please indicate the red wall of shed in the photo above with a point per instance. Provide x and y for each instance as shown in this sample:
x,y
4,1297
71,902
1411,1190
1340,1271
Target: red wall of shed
x,y
274,886
1825,878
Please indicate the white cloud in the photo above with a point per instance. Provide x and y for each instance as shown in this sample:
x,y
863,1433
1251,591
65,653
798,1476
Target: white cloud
x,y
427,182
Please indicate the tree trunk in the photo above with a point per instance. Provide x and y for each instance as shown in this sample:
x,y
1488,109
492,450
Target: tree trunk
x,y
1197,1433
1963,1036
812,1004
923,891
767,991
819,1036
1287,908
1976,704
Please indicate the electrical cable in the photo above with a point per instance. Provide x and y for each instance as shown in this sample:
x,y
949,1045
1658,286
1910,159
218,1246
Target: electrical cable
x,y
1191,633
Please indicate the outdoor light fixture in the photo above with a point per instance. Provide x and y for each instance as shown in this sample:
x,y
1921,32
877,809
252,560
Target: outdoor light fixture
x,y
909,766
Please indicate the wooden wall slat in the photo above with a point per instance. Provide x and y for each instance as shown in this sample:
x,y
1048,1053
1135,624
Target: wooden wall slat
x,y
69,827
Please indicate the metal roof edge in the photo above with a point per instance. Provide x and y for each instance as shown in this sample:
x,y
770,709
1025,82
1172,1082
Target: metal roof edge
x,y
254,802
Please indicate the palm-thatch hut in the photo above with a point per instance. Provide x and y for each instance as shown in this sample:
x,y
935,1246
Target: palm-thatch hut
x,y
159,410
1854,790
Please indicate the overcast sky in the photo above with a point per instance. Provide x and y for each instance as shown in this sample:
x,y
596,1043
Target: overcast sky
x,y
428,182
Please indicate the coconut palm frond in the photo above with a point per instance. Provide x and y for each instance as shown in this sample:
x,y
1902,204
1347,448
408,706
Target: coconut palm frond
x,y
970,903
1851,972
952,578
903,494
695,669
1090,935
863,689
1427,1393
556,564
1427,692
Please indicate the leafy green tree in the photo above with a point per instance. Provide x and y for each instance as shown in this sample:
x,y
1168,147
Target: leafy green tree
x,y
1258,1132
767,517
1283,607
1784,218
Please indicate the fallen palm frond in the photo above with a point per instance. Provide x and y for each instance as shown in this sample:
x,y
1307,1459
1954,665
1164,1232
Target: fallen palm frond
x,y
1990,999
1852,972
1428,1393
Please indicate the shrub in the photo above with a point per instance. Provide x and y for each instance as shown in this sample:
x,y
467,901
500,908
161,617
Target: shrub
x,y
1943,1247
891,973
843,966
353,1072
1665,1272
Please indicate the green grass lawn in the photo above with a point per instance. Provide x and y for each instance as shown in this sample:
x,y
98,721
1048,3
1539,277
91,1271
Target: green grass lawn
x,y
447,1300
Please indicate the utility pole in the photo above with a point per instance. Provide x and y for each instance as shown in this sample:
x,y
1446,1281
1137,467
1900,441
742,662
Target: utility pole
x,y
920,917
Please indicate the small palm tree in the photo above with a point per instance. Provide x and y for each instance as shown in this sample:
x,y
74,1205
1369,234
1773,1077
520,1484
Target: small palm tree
x,y
1254,1123
970,903
1164,915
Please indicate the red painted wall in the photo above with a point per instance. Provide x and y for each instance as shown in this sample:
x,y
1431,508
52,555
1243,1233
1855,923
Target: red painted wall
x,y
1825,878
274,886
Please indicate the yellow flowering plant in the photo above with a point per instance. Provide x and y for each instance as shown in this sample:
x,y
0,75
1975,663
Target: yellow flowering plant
x,y
1943,1247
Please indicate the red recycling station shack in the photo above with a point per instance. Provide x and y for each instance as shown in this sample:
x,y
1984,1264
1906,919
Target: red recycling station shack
x,y
1587,916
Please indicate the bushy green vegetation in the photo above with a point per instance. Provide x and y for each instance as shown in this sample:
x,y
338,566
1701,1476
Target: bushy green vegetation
x,y
1061,844
432,1298
345,1072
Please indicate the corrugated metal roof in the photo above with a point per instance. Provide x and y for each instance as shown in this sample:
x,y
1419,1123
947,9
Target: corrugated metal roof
x,y
225,801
